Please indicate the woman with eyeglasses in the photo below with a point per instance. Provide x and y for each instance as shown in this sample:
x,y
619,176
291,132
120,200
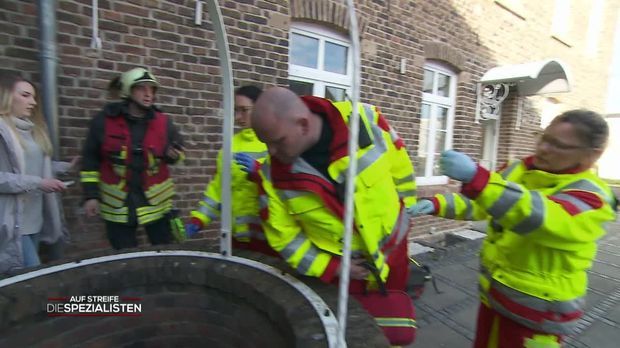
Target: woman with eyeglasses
x,y
545,214
248,151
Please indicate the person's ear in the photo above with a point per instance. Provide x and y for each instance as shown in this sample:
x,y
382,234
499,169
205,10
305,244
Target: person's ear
x,y
592,157
304,123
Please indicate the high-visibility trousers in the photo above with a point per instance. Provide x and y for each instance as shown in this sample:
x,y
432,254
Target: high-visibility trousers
x,y
496,331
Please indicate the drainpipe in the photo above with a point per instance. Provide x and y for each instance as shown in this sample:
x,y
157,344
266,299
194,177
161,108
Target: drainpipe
x,y
49,61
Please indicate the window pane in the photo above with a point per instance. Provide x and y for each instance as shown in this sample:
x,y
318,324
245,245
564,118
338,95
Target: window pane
x,y
442,118
335,58
443,85
300,87
334,93
419,161
436,170
304,50
428,81
440,142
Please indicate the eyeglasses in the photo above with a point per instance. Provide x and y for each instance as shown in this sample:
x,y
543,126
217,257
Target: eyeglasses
x,y
243,109
558,145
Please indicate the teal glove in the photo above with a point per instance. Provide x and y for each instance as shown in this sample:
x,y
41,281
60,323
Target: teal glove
x,y
423,207
457,166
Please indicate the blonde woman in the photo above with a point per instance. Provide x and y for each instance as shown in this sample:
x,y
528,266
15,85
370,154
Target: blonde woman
x,y
30,210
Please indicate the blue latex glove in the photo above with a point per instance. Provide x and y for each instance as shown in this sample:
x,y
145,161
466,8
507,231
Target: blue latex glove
x,y
247,163
457,165
191,229
423,207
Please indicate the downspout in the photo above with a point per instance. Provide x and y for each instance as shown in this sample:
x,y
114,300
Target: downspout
x,y
46,18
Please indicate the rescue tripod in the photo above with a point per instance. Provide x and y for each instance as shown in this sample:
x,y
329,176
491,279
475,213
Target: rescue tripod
x,y
335,333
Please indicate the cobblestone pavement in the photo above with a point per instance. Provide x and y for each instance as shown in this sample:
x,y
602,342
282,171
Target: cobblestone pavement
x,y
448,319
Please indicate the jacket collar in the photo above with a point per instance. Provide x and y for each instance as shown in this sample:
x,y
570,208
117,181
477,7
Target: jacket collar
x,y
340,130
529,164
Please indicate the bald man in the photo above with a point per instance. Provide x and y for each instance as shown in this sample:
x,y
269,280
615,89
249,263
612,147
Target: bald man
x,y
303,181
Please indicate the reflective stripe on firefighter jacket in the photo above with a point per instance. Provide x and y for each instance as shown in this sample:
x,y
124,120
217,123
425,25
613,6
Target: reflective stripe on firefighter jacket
x,y
541,239
113,175
304,221
246,222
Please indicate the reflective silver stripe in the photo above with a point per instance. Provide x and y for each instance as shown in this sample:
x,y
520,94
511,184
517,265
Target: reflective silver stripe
x,y
263,201
247,219
292,247
113,210
393,135
208,211
290,194
469,208
536,217
538,304
265,168
257,233
506,172
212,203
255,155
307,260
395,322
587,185
150,213
450,208
406,193
509,197
370,115
244,234
301,166
373,154
581,205
406,179
370,156
560,307
252,232
113,214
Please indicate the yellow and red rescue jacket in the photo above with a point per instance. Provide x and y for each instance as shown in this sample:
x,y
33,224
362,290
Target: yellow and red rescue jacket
x,y
304,219
541,239
246,222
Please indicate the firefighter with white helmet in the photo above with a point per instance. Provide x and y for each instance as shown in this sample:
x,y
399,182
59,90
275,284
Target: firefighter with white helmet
x,y
125,174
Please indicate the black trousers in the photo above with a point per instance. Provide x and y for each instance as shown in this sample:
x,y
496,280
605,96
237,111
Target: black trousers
x,y
124,236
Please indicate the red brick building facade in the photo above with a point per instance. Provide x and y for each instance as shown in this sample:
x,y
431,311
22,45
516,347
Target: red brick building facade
x,y
412,51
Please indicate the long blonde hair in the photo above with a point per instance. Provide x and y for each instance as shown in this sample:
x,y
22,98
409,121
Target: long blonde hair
x,y
8,80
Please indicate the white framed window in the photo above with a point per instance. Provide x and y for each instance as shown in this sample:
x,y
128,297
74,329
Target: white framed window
x,y
436,122
320,62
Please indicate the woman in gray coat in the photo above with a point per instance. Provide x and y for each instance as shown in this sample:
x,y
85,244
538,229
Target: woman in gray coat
x,y
30,210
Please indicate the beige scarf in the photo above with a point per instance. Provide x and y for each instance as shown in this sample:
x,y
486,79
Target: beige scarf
x,y
18,150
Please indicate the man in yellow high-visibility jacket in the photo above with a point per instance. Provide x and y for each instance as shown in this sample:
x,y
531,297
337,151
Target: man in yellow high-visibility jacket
x,y
303,180
545,214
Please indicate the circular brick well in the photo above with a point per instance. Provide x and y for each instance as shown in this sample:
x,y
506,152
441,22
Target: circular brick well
x,y
187,298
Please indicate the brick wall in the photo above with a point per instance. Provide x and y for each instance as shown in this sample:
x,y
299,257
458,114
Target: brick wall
x,y
470,36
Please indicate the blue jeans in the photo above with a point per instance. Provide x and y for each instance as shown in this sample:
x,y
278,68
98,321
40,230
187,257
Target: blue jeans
x,y
30,249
